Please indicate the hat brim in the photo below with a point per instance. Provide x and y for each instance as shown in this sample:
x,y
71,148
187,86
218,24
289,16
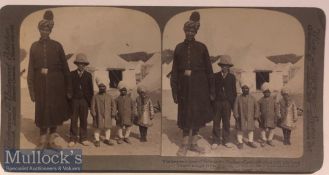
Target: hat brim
x,y
76,62
221,64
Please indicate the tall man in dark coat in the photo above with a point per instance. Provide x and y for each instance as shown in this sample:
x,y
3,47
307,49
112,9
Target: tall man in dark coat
x,y
225,87
48,81
81,100
192,87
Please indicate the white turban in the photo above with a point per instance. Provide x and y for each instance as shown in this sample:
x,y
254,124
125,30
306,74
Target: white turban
x,y
141,89
245,83
101,77
265,86
122,85
285,90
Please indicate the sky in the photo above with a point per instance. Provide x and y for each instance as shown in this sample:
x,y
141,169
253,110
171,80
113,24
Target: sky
x,y
105,30
247,35
99,32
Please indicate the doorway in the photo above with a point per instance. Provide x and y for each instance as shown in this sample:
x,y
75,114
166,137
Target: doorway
x,y
115,77
262,77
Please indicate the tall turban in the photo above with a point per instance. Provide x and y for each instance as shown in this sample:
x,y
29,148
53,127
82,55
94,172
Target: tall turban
x,y
47,23
193,22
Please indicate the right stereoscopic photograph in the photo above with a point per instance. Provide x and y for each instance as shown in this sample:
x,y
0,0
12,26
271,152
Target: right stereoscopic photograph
x,y
233,84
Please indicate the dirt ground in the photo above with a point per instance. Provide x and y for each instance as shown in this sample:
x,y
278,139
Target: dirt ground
x,y
29,134
171,138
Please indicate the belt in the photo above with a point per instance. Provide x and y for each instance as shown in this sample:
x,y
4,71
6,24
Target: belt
x,y
193,70
45,71
51,69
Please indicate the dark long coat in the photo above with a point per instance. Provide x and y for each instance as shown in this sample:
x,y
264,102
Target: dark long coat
x,y
126,110
268,109
49,90
225,88
193,92
246,112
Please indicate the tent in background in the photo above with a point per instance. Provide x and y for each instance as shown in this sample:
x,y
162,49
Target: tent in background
x,y
296,84
106,66
152,81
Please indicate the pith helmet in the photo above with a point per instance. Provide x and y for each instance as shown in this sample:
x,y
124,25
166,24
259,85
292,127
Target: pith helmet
x,y
81,58
225,60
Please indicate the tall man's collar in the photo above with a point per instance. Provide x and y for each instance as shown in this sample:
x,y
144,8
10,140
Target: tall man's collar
x,y
186,41
44,39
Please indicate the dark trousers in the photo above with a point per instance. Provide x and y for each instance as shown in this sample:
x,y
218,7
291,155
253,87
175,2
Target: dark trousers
x,y
44,131
80,112
186,132
286,135
222,113
143,131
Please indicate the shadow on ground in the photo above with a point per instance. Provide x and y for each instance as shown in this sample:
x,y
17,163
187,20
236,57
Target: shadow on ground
x,y
175,134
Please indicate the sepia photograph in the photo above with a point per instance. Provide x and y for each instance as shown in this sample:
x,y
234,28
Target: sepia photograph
x,y
162,89
233,84
91,79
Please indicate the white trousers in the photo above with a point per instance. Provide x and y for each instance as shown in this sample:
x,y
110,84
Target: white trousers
x,y
270,134
127,133
97,134
250,136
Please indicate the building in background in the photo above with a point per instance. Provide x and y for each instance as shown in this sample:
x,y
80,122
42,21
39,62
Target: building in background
x,y
278,70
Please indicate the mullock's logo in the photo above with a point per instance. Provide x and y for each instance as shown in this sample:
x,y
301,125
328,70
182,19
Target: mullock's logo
x,y
27,160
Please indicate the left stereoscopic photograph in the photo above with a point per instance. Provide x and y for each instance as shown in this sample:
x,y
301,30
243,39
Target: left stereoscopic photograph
x,y
90,79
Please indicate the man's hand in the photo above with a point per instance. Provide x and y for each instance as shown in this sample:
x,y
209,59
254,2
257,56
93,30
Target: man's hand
x,y
69,95
94,122
33,99
116,117
212,97
236,117
175,99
